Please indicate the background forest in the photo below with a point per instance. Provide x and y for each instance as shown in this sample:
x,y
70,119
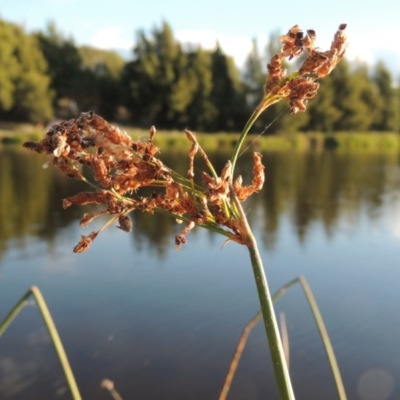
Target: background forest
x,y
44,75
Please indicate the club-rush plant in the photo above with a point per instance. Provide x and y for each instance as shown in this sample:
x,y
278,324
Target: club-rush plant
x,y
122,167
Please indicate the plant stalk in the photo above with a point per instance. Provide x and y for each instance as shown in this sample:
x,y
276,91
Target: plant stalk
x,y
271,325
321,326
282,376
267,101
256,113
325,338
55,338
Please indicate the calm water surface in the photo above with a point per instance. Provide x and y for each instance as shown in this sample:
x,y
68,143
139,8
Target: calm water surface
x,y
164,324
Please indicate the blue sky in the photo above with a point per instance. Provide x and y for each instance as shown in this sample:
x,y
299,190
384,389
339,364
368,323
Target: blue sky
x,y
373,26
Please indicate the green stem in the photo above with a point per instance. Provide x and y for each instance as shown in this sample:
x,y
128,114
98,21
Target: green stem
x,y
83,179
48,320
256,113
267,309
321,326
267,101
13,313
271,326
208,162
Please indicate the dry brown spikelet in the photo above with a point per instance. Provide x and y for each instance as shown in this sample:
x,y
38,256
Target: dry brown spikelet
x,y
87,218
300,90
181,238
125,223
85,242
243,192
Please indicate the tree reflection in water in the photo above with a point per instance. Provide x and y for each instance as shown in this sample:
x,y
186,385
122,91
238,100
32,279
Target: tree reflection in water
x,y
312,187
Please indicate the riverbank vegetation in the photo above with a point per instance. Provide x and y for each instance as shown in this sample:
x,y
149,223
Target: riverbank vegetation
x,y
176,140
46,75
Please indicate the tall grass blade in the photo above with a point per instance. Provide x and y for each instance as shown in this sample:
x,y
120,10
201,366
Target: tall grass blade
x,y
325,338
51,328
321,326
285,338
237,355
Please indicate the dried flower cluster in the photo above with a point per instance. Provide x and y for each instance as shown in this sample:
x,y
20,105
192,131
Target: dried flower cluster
x,y
121,166
317,64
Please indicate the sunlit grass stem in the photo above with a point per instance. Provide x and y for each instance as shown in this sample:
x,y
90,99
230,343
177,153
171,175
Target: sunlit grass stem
x,y
321,326
52,330
267,309
325,338
256,113
268,100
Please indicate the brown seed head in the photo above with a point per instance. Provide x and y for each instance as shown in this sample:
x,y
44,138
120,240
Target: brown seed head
x,y
125,223
301,91
179,241
243,192
85,242
321,63
292,42
316,65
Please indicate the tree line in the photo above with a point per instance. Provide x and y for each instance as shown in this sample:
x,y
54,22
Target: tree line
x,y
45,75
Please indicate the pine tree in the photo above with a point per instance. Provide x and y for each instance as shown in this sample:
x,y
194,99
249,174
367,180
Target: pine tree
x,y
102,69
24,90
388,118
227,95
155,82
254,76
201,111
323,114
8,66
64,67
355,97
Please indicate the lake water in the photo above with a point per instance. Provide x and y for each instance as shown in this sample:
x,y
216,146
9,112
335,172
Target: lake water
x,y
163,324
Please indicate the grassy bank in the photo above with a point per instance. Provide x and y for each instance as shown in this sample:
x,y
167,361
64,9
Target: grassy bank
x,y
344,141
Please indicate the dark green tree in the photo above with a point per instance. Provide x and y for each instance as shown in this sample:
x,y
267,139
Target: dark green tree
x,y
254,76
201,111
83,78
101,61
355,97
8,66
102,70
24,85
323,114
157,83
64,62
228,94
387,103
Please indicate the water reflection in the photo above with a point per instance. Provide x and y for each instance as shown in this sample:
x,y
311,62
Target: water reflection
x,y
174,317
310,187
30,200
